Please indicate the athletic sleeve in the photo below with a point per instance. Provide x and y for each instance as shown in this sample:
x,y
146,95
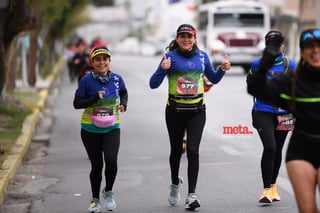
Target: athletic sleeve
x,y
123,94
214,76
81,100
157,77
272,91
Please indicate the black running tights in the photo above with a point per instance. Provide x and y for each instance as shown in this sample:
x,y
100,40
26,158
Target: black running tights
x,y
99,147
273,141
177,123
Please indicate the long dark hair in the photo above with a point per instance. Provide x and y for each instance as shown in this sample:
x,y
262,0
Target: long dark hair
x,y
174,45
306,37
294,79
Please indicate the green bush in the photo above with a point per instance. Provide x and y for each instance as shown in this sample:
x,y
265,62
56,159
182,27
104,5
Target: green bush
x,y
12,116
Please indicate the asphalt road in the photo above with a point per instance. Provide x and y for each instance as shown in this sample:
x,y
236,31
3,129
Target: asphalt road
x,y
55,179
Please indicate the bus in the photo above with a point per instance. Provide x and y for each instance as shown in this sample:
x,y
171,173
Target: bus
x,y
235,28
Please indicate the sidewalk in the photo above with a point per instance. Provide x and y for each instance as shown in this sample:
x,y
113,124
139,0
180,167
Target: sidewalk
x,y
13,161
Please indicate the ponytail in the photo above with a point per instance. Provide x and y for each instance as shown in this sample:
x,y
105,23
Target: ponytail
x,y
294,84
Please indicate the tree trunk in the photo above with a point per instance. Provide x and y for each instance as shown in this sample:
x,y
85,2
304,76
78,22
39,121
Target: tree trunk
x,y
3,17
32,58
49,59
13,61
15,18
33,50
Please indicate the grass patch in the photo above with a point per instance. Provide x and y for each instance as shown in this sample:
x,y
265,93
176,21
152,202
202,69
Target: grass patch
x,y
26,98
13,112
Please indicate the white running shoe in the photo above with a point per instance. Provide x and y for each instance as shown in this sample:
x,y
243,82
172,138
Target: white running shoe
x,y
192,202
94,206
174,195
110,203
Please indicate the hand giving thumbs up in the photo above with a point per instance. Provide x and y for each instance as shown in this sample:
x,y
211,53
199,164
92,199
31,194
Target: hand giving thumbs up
x,y
166,62
225,64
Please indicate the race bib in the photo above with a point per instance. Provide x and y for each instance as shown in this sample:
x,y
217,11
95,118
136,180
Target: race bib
x,y
102,110
285,122
187,86
103,117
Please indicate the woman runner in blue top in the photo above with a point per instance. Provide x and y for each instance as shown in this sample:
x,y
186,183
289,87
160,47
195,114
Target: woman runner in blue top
x,y
299,93
265,120
103,95
184,65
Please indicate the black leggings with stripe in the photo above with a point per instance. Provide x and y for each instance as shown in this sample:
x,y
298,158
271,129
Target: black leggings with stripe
x,y
272,141
102,148
177,123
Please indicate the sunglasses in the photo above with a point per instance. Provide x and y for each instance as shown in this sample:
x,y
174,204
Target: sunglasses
x,y
309,35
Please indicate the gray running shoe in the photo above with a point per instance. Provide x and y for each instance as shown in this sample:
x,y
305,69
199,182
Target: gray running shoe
x,y
110,203
94,206
192,202
174,195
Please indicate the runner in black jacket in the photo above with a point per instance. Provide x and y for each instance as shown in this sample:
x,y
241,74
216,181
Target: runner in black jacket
x,y
298,92
265,119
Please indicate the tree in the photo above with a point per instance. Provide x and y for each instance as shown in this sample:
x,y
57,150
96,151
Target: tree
x,y
60,19
14,18
48,19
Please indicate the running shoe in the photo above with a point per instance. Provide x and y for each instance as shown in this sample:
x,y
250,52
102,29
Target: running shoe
x,y
94,205
192,202
274,194
174,195
110,203
266,196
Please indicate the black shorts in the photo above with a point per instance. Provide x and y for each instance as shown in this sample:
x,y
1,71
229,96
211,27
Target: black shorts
x,y
304,147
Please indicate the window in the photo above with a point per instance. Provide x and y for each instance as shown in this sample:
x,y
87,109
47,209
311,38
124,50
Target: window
x,y
238,20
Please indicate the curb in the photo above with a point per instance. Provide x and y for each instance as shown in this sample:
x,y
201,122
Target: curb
x,y
42,102
21,146
13,161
